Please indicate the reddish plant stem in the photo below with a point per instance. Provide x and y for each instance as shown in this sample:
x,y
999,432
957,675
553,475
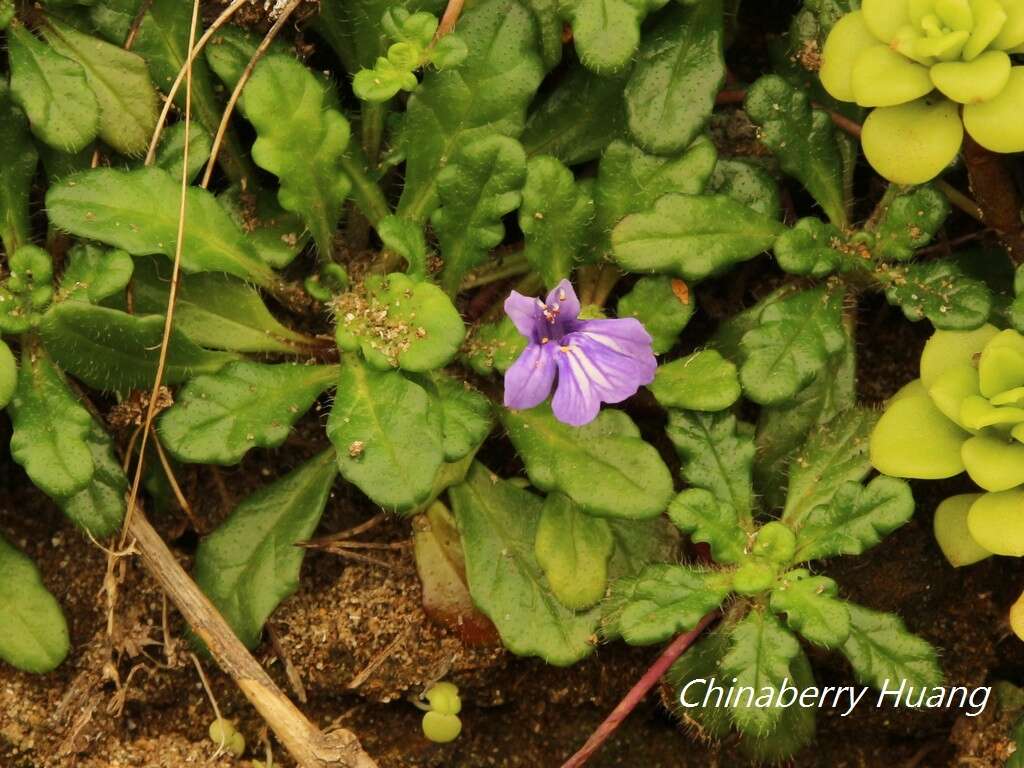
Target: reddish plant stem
x,y
638,692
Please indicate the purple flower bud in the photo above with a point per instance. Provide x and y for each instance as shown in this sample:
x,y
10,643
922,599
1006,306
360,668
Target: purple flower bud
x,y
588,361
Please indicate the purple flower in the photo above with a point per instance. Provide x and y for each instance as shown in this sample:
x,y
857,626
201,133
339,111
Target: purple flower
x,y
594,361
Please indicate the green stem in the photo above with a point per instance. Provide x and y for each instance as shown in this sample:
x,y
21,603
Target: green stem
x,y
372,131
366,191
511,266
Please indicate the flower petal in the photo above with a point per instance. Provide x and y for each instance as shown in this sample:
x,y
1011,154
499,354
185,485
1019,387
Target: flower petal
x,y
848,38
914,439
993,463
564,296
528,381
525,313
912,143
996,124
625,335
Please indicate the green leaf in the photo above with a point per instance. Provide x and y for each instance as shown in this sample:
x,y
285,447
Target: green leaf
x,y
812,247
881,651
856,520
388,434
276,235
710,520
605,466
481,183
215,311
747,183
717,453
679,70
638,543
61,108
51,429
692,236
230,50
835,453
802,139
498,524
171,152
760,656
581,115
300,139
792,344
8,375
938,290
16,173
35,634
606,33
397,322
488,94
549,30
654,302
94,273
909,222
465,415
110,349
218,417
99,507
493,347
138,211
663,601
250,563
406,239
573,550
554,216
812,609
120,81
703,381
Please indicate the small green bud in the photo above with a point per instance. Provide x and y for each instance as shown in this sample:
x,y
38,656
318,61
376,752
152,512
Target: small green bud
x,y
222,733
405,55
753,577
444,698
776,542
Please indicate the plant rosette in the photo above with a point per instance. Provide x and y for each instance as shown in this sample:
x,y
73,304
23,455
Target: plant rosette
x,y
965,413
918,63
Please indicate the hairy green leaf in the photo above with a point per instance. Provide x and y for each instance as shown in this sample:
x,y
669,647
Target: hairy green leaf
x,y
717,453
747,183
406,239
99,507
52,89
26,290
481,183
692,236
606,33
679,70
812,608
465,415
33,632
250,563
493,346
388,434
8,375
16,172
300,139
856,519
170,154
882,651
498,524
573,550
94,273
793,342
110,349
230,50
277,235
812,247
938,290
549,30
909,222
703,381
710,520
803,140
654,301
605,466
218,417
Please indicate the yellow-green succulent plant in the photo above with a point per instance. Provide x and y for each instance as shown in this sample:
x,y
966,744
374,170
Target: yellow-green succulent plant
x,y
965,413
918,63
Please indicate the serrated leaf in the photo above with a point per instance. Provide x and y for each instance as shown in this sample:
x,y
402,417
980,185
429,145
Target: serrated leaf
x,y
802,139
250,563
664,600
120,81
33,632
692,236
16,173
388,434
835,453
703,381
812,609
52,89
717,453
493,346
881,650
679,70
300,139
110,349
909,222
605,466
138,211
578,118
488,94
811,247
218,417
276,235
792,344
397,322
170,154
938,290
465,415
555,215
663,305
857,518
710,520
50,428
406,239
498,524
94,273
606,33
746,183
481,183
760,656
573,549
99,507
